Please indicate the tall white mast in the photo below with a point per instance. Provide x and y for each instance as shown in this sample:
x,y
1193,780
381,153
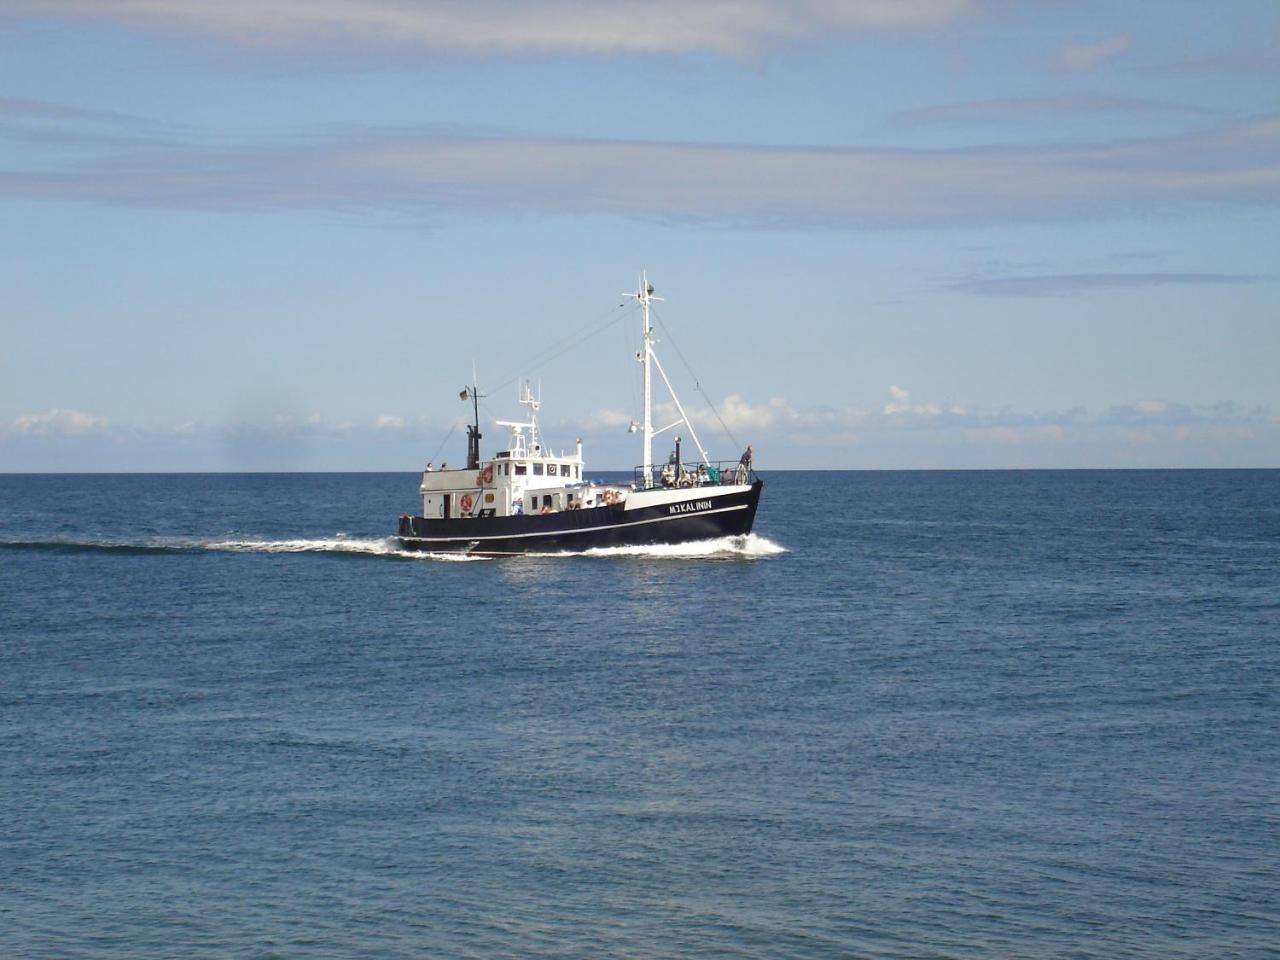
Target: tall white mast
x,y
647,340
646,354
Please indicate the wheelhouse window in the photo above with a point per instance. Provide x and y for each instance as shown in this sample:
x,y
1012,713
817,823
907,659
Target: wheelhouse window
x,y
521,469
537,469
564,470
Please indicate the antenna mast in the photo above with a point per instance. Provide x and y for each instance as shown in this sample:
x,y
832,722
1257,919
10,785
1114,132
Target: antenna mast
x,y
473,428
646,356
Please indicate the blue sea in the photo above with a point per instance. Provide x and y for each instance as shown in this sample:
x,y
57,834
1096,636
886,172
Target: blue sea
x,y
914,715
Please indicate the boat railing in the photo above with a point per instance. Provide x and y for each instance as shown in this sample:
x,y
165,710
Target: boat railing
x,y
716,473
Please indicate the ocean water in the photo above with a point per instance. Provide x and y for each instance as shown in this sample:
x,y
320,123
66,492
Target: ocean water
x,y
968,715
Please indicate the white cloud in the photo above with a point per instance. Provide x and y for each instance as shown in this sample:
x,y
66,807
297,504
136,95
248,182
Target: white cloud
x,y
1085,56
388,422
607,420
58,421
739,414
727,27
904,433
734,185
900,403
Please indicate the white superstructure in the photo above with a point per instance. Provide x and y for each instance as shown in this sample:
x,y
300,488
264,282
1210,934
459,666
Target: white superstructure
x,y
526,478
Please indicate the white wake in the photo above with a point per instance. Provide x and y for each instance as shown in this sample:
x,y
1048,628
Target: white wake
x,y
750,546
380,547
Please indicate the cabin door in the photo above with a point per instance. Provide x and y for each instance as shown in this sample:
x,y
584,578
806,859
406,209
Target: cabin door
x,y
448,501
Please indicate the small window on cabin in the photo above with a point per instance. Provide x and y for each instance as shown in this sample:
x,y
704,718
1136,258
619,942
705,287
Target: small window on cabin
x,y
521,469
506,469
564,469
533,504
547,501
537,469
577,473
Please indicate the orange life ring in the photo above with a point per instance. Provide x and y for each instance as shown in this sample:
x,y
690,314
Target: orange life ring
x,y
466,502
487,474
609,496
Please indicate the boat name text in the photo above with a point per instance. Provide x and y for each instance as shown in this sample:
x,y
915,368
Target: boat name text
x,y
691,507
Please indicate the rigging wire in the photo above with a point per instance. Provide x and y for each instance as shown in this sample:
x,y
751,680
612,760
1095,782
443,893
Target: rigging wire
x,y
697,384
559,349
452,430
554,352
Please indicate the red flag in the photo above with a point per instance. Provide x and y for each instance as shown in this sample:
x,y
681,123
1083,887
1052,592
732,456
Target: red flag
x,y
463,394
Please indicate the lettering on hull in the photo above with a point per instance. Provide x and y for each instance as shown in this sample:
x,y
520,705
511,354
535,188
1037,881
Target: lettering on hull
x,y
692,506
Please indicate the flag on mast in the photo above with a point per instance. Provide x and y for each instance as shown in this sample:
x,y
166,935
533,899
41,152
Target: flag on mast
x,y
463,395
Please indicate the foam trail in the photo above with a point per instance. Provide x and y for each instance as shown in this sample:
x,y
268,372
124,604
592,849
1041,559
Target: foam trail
x,y
750,546
333,545
380,547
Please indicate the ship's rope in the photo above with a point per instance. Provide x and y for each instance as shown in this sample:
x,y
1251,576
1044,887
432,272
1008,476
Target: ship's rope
x,y
554,352
563,346
697,384
452,430
571,342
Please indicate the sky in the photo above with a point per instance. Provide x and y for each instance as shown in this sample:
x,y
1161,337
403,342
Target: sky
x,y
888,234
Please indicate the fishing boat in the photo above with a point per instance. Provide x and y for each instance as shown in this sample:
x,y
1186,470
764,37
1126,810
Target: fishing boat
x,y
530,499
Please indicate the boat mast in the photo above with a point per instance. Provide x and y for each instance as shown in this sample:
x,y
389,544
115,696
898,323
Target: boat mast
x,y
473,428
646,355
645,292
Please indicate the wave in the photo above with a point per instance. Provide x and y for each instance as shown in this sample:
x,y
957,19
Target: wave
x,y
750,546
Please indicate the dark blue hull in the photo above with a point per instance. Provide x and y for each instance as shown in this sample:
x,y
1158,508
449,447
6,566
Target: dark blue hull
x,y
715,515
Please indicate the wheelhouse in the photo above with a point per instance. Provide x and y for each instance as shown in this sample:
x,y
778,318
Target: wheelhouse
x,y
523,479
